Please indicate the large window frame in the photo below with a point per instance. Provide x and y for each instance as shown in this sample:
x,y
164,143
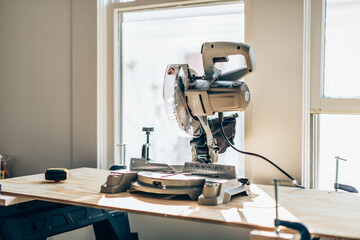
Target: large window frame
x,y
109,72
319,103
108,63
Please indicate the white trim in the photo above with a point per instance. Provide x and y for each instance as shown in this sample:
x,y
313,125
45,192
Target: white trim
x,y
306,95
101,85
167,14
338,105
319,103
118,140
248,9
146,4
314,157
317,53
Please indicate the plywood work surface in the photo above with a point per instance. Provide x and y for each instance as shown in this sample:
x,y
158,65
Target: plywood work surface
x,y
327,213
317,209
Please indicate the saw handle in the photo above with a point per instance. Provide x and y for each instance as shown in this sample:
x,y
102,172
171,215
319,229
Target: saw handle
x,y
213,52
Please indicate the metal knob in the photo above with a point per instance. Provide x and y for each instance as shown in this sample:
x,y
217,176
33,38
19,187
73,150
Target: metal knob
x,y
210,190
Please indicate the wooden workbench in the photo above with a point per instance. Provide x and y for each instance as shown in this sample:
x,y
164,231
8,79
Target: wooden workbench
x,y
330,214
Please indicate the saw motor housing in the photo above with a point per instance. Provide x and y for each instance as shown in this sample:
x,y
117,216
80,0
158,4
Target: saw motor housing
x,y
194,97
205,98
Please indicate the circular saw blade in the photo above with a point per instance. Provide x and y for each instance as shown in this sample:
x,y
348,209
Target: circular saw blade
x,y
175,102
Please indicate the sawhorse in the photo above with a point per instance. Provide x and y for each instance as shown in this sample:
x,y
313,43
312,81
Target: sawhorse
x,y
37,220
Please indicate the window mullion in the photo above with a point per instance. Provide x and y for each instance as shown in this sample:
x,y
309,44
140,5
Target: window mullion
x,y
317,54
314,153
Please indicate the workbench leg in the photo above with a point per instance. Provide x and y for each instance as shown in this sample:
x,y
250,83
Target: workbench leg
x,y
37,220
115,227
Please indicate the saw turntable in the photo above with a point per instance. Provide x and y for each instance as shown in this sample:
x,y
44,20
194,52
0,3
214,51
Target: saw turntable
x,y
189,100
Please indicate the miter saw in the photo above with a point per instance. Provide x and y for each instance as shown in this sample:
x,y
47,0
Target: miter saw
x,y
189,101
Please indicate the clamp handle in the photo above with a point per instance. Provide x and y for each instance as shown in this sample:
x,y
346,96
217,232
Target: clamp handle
x,y
304,232
148,130
146,146
301,228
213,52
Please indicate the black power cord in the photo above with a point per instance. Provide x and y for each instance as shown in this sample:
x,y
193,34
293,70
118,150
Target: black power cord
x,y
253,154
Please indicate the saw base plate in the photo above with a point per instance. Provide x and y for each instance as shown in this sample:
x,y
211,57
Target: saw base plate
x,y
209,184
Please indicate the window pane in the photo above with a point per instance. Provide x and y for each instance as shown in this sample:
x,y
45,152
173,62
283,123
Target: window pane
x,y
342,52
150,41
339,136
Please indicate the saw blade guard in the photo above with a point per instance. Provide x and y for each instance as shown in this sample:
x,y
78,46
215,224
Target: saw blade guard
x,y
175,80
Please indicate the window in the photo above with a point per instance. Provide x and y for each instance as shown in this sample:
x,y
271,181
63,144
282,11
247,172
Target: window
x,y
342,36
335,91
339,136
150,40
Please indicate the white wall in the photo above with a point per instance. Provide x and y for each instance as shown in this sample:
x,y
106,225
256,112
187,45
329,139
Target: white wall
x,y
48,83
274,120
84,82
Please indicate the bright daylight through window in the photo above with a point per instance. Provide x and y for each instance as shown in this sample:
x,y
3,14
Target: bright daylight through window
x,y
340,134
342,37
150,41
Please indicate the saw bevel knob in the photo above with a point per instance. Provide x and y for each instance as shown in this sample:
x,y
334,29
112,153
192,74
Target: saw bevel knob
x,y
211,189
